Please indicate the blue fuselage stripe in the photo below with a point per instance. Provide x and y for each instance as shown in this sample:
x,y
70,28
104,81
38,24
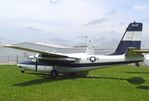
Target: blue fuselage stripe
x,y
81,64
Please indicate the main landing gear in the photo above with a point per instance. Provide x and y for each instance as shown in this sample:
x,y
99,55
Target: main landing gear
x,y
22,71
137,64
54,73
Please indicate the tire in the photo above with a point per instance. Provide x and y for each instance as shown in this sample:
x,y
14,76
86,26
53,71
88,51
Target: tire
x,y
54,74
22,71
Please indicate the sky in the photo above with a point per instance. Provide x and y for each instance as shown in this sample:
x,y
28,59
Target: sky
x,y
67,22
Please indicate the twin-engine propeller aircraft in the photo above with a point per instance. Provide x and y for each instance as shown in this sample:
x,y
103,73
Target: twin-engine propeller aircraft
x,y
128,51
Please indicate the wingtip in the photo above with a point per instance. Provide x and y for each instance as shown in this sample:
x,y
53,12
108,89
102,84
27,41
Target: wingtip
x,y
8,45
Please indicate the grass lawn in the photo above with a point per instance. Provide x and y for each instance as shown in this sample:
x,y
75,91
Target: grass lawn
x,y
119,83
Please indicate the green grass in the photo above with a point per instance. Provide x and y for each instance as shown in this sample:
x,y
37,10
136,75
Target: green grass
x,y
119,83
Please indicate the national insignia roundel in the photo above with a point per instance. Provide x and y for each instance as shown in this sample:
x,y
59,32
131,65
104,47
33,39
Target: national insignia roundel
x,y
92,59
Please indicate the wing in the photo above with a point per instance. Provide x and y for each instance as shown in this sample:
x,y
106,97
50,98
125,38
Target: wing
x,y
50,54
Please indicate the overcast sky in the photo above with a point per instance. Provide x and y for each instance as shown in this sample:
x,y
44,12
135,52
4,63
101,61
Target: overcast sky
x,y
67,21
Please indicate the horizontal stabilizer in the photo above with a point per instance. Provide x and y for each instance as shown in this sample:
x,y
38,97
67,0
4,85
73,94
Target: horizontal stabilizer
x,y
141,51
132,52
131,55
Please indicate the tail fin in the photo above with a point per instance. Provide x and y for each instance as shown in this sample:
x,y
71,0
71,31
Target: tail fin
x,y
131,38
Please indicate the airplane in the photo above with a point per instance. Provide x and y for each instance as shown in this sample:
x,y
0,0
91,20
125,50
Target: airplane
x,y
128,51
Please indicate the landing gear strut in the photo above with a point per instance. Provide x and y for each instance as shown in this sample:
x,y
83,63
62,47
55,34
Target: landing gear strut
x,y
137,64
54,74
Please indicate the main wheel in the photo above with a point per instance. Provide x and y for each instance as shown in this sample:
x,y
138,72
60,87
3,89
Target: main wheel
x,y
54,74
137,64
22,71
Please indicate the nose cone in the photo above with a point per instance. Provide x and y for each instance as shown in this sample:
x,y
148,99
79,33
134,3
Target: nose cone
x,y
24,64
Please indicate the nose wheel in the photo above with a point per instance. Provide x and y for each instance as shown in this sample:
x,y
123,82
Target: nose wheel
x,y
54,73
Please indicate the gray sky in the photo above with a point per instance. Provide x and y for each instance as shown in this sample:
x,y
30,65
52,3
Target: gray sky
x,y
67,21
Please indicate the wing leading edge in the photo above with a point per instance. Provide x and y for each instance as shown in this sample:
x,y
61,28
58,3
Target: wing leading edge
x,y
50,54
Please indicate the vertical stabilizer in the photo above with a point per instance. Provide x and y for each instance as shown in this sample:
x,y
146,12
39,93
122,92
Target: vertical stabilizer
x,y
131,38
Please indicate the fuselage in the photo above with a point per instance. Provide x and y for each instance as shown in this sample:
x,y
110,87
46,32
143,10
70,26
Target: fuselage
x,y
83,62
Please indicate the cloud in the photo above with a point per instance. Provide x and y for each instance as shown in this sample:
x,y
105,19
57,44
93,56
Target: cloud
x,y
97,21
140,8
54,1
38,27
69,18
111,12
103,19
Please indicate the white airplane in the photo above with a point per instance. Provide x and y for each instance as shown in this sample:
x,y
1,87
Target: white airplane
x,y
128,51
